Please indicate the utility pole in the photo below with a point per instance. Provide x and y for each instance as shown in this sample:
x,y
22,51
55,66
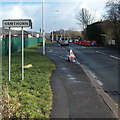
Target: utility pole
x,y
43,27
52,26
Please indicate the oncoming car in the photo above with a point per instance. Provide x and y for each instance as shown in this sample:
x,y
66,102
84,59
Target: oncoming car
x,y
64,41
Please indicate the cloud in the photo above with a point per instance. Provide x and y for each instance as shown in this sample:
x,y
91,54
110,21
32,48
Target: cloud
x,y
21,0
84,5
64,19
21,11
15,13
95,7
74,1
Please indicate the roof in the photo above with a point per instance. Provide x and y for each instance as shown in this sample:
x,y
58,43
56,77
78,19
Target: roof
x,y
34,33
5,32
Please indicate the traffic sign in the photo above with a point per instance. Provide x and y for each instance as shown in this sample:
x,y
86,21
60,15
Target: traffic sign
x,y
16,23
9,23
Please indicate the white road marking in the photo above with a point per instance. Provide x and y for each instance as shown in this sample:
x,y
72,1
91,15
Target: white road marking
x,y
114,57
110,55
100,52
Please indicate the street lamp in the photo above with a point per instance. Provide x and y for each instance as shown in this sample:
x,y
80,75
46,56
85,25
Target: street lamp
x,y
43,27
52,25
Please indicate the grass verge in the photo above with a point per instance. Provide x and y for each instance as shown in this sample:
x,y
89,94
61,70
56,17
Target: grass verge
x,y
31,97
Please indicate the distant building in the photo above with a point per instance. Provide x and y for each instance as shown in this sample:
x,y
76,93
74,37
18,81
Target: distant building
x,y
34,34
16,33
3,32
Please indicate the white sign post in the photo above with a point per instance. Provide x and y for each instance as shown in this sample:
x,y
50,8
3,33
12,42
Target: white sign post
x,y
8,23
22,54
9,52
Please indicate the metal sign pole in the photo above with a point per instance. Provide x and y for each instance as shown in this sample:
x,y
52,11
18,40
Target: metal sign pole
x,y
9,53
22,54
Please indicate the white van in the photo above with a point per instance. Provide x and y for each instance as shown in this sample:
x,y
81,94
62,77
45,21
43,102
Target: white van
x,y
64,41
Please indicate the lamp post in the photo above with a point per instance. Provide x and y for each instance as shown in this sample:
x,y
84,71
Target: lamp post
x,y
52,25
43,27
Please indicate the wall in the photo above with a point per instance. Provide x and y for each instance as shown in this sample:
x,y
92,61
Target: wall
x,y
16,44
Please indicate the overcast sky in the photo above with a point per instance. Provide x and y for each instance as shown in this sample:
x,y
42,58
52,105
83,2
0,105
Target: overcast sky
x,y
62,11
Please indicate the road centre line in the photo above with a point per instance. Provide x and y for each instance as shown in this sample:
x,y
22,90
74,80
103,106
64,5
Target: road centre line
x,y
100,53
110,55
106,54
114,57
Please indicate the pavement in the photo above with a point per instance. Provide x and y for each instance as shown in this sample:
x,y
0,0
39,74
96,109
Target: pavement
x,y
74,93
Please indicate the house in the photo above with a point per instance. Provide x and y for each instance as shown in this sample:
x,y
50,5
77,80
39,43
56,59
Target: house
x,y
34,34
16,33
3,32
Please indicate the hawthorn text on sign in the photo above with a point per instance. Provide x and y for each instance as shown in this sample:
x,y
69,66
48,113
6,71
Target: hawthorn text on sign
x,y
16,23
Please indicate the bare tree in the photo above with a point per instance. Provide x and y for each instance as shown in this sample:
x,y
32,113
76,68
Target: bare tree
x,y
84,18
113,10
113,15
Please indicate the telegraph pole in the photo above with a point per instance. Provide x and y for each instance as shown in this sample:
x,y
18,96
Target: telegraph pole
x,y
43,27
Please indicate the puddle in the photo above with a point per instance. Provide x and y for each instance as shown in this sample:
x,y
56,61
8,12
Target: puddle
x,y
50,51
64,68
69,75
75,81
71,78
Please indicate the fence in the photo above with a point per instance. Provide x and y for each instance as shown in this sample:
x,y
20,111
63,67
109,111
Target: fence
x,y
16,44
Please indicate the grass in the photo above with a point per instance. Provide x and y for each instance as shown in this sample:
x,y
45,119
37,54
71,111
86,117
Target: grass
x,y
31,97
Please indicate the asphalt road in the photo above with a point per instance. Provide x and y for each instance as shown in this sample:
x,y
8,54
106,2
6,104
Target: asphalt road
x,y
74,95
103,63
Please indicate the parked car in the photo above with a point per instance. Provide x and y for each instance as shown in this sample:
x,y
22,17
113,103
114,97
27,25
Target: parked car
x,y
88,43
70,40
